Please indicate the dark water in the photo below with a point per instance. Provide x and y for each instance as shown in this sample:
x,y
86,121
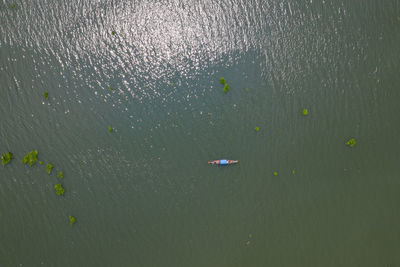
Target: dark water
x,y
143,195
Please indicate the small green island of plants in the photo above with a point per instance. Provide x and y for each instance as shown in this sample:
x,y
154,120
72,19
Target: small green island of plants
x,y
226,88
6,158
249,240
30,158
59,189
60,174
49,167
351,142
72,220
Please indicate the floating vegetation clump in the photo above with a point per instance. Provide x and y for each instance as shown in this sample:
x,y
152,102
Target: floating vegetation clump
x,y
49,167
226,88
111,89
6,158
110,129
248,241
113,32
30,158
46,95
275,173
12,5
305,112
257,128
60,174
351,142
72,220
293,172
40,162
247,89
59,189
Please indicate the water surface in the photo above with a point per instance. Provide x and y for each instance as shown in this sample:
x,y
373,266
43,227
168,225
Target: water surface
x,y
143,195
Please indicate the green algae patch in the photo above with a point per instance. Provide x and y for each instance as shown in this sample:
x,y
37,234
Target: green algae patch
x,y
351,142
40,162
6,158
12,5
110,129
304,112
30,158
46,95
49,167
72,220
226,88
293,172
59,189
60,174
247,89
113,32
256,128
275,173
248,241
111,89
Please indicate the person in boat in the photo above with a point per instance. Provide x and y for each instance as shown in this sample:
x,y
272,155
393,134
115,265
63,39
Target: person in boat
x,y
223,162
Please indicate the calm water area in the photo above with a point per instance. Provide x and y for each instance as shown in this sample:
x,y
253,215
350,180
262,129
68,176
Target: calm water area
x,y
143,193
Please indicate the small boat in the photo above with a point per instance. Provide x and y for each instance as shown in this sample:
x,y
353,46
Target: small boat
x,y
223,162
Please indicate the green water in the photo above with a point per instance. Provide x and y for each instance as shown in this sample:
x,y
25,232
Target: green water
x,y
143,194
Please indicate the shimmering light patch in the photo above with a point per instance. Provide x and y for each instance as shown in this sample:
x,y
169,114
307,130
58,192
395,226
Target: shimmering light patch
x,y
156,42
